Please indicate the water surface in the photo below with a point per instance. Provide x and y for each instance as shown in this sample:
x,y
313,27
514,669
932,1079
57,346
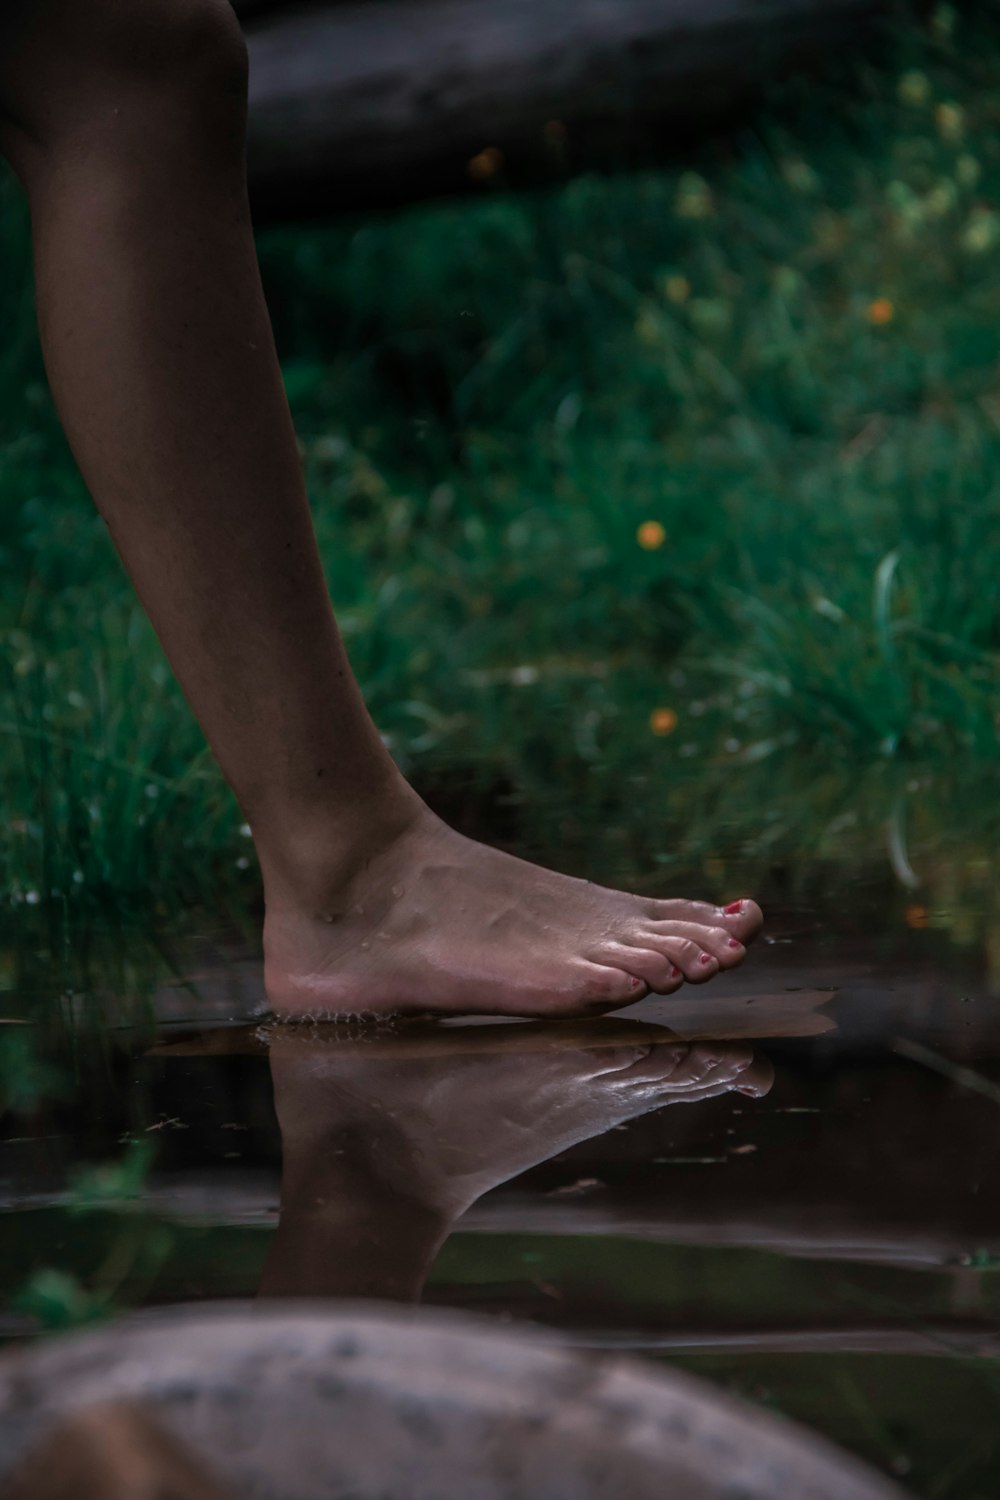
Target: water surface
x,y
825,1242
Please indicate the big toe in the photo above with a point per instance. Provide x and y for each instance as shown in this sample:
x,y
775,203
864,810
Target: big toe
x,y
744,918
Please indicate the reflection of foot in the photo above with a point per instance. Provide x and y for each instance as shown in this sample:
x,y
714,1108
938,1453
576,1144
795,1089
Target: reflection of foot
x,y
449,1128
381,1154
433,921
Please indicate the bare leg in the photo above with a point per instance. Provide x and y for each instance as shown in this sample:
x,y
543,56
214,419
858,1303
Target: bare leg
x,y
125,121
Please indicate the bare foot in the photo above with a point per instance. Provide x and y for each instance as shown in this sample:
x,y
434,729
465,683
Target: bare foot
x,y
433,922
384,1148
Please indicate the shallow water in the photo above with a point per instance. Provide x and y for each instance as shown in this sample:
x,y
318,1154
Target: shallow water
x,y
826,1244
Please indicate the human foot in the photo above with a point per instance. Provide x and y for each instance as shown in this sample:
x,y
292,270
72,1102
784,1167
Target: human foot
x,y
434,922
383,1149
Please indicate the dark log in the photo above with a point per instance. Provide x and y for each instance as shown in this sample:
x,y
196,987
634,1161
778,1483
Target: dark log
x,y
380,101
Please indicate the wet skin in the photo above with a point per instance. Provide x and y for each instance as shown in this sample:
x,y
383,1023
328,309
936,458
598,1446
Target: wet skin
x,y
384,1153
432,921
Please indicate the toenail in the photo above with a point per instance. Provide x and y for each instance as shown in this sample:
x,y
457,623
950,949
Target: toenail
x,y
675,973
634,983
733,908
706,958
734,943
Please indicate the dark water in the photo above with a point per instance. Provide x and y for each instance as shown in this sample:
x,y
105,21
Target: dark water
x,y
826,1243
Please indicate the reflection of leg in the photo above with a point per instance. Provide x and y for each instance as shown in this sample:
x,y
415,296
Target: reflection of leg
x,y
381,1157
343,1231
126,123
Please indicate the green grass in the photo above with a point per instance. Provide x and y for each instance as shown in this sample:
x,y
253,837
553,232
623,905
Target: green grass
x,y
493,397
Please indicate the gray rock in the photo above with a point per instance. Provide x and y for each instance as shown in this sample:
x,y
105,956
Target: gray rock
x,y
362,1402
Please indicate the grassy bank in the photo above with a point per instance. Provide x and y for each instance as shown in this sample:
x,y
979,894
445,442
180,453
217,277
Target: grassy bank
x,y
635,487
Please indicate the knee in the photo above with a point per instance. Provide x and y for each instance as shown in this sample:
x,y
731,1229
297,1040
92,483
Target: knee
x,y
193,48
75,71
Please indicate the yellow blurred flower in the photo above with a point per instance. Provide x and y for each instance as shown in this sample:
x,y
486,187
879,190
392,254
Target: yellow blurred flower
x,y
916,917
676,288
651,535
880,312
485,164
663,721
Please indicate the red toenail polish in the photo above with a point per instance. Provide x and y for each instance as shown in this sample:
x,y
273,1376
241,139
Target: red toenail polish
x,y
734,943
706,958
634,983
675,972
733,908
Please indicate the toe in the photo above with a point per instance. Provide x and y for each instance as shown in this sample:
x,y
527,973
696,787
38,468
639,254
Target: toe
x,y
756,1079
715,1065
753,1081
712,1062
602,985
742,918
619,1059
664,1062
695,962
734,1067
699,1071
701,912
718,941
658,970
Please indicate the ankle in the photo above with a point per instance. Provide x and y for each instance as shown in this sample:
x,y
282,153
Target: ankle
x,y
313,857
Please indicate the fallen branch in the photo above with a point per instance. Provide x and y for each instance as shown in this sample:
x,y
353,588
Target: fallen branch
x,y
376,101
